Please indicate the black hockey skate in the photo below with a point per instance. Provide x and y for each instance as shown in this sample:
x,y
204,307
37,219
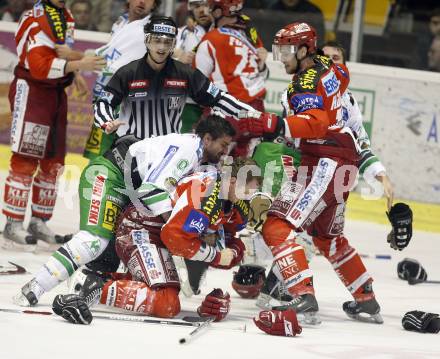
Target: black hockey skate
x,y
306,308
273,293
366,311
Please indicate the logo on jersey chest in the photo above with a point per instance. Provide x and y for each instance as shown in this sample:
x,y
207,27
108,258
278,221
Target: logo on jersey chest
x,y
175,83
138,84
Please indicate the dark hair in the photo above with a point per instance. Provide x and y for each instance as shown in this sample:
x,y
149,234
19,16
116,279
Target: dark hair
x,y
216,126
434,13
74,2
337,45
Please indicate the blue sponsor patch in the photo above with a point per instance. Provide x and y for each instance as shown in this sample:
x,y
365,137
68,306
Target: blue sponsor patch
x,y
196,222
330,83
171,151
301,103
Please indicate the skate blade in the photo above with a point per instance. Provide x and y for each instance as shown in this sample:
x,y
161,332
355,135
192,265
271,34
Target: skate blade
x,y
310,318
10,245
266,302
20,300
367,318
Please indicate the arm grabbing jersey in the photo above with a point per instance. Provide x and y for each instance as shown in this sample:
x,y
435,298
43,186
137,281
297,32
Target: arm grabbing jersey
x,y
197,211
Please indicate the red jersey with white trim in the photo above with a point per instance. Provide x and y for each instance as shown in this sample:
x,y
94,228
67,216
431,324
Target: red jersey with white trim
x,y
38,31
314,100
199,209
229,59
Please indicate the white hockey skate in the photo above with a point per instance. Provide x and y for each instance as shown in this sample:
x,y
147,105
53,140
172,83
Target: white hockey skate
x,y
16,237
29,294
41,232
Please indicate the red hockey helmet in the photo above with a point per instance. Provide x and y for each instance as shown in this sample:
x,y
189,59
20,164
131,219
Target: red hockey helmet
x,y
228,7
291,37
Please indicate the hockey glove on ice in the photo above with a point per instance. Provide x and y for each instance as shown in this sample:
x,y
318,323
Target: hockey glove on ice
x,y
73,308
216,304
411,270
401,218
421,322
276,322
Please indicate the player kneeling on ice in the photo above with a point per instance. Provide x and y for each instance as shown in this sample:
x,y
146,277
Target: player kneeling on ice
x,y
202,225
142,172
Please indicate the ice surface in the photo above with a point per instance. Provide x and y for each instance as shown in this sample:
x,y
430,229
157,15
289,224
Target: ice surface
x,y
34,336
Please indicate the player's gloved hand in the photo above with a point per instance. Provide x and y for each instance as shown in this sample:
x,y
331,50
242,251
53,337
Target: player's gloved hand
x,y
276,322
73,308
421,322
216,304
258,124
401,218
411,270
238,246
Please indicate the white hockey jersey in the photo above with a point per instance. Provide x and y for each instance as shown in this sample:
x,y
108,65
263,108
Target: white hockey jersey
x,y
187,39
161,163
126,44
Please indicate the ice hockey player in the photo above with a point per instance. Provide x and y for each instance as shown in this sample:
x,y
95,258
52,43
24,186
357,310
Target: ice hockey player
x,y
315,199
127,43
39,118
141,172
202,225
233,57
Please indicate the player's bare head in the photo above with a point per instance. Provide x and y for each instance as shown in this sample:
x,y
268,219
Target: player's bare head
x,y
335,51
434,22
138,9
292,44
160,38
245,178
60,4
200,12
225,8
216,134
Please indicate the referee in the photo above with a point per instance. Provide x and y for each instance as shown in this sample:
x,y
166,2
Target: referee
x,y
152,91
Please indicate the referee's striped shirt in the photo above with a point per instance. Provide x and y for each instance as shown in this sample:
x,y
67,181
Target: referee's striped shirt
x,y
151,103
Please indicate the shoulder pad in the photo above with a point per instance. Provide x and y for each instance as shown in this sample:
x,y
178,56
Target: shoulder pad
x,y
307,81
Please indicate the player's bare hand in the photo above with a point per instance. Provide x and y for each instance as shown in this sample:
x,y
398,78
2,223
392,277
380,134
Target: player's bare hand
x,y
387,188
209,239
92,63
187,57
262,56
63,52
81,85
112,126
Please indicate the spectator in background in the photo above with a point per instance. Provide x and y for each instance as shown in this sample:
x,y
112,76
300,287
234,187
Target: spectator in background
x,y
101,13
434,22
14,9
305,11
82,13
434,54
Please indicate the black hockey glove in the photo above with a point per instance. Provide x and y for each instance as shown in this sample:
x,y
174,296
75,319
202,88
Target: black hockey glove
x,y
401,218
73,308
409,269
421,322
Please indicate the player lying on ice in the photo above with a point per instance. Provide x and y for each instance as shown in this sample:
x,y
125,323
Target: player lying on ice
x,y
141,172
202,226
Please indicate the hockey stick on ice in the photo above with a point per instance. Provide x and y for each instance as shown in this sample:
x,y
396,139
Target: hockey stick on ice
x,y
196,331
11,270
126,318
